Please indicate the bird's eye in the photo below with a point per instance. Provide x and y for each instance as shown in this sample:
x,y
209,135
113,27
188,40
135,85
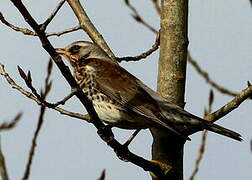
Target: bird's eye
x,y
75,49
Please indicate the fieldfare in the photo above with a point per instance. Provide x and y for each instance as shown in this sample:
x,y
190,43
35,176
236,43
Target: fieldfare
x,y
122,100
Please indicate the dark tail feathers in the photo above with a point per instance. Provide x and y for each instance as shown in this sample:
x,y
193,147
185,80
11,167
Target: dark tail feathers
x,y
224,131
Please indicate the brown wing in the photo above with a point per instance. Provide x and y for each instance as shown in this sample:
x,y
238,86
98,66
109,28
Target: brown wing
x,y
124,88
121,86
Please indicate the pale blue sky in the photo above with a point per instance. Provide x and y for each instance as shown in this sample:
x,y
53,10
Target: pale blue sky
x,y
220,40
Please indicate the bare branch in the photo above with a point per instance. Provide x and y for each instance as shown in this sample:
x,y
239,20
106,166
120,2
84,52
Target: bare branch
x,y
204,136
32,97
154,47
28,80
44,93
103,175
50,18
12,124
3,169
251,145
76,28
200,154
25,31
245,94
138,18
156,6
205,75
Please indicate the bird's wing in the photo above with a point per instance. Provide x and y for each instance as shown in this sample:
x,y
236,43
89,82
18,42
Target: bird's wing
x,y
118,84
175,113
121,86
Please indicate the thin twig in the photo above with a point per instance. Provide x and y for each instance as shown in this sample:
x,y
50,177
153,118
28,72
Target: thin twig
x,y
102,176
3,169
34,144
154,47
44,93
53,14
32,97
12,124
76,28
205,75
28,80
27,31
233,104
200,154
251,145
204,136
156,6
138,18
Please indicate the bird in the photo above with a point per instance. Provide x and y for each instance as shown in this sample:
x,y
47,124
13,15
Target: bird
x,y
122,100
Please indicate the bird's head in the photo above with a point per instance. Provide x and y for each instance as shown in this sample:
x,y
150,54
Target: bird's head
x,y
82,50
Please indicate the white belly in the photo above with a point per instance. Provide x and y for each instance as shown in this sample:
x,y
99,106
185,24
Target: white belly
x,y
108,113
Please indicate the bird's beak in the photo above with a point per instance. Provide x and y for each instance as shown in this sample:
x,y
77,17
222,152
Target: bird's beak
x,y
67,54
61,51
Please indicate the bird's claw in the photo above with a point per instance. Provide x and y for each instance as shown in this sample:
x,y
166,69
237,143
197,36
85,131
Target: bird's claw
x,y
106,133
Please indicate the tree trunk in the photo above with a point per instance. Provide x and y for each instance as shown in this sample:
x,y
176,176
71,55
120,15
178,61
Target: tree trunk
x,y
168,148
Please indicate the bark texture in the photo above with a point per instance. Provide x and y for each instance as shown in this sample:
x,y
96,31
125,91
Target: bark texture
x,y
168,148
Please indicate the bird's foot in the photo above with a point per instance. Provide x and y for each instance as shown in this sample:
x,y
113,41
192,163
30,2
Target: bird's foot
x,y
106,133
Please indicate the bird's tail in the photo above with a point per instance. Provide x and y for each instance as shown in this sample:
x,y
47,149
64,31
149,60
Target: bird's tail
x,y
224,131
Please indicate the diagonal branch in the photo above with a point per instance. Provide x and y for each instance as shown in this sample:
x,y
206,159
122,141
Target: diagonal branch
x,y
138,17
52,15
12,124
157,6
45,92
205,75
32,97
26,31
154,47
204,136
200,154
76,28
232,105
3,169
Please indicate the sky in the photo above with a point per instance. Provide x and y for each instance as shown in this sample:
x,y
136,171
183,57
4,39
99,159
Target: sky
x,y
220,41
